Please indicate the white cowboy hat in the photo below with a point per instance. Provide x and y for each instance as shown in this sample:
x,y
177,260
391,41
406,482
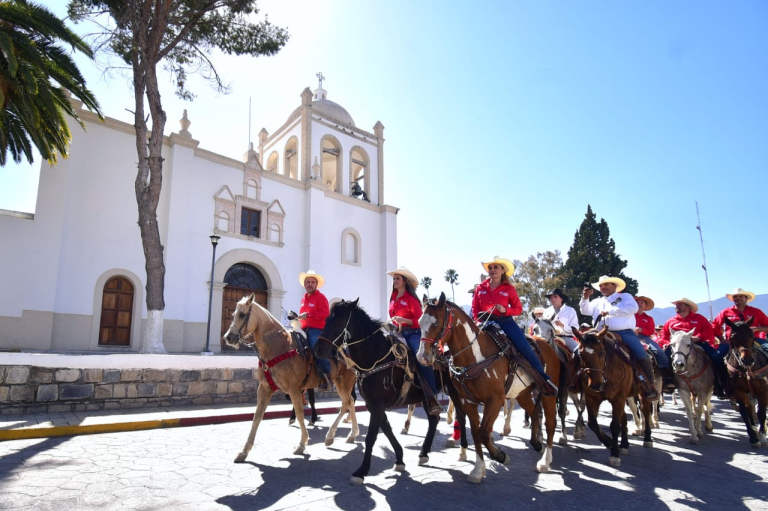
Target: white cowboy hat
x,y
506,263
739,291
538,310
648,302
620,284
689,303
311,273
407,274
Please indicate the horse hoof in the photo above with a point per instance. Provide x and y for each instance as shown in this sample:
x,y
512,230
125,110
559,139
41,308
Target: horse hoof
x,y
756,445
694,440
637,432
614,462
291,421
310,423
542,468
462,456
404,431
399,467
538,447
709,429
507,459
563,441
648,443
527,425
450,443
351,439
700,434
506,431
474,479
345,421
299,449
423,460
241,457
357,481
329,442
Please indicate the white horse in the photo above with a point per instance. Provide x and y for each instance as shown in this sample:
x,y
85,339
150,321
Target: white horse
x,y
695,380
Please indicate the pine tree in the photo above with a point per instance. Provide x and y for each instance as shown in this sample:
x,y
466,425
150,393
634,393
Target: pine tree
x,y
592,254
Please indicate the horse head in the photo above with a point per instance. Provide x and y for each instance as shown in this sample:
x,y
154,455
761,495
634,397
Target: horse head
x,y
436,324
742,340
545,328
245,321
682,346
593,358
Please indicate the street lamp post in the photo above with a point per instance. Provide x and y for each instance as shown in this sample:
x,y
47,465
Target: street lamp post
x,y
214,241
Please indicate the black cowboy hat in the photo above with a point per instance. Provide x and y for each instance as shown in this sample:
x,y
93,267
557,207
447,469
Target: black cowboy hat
x,y
559,292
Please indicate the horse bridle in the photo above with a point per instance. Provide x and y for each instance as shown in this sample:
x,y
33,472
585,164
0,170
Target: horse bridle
x,y
239,330
445,329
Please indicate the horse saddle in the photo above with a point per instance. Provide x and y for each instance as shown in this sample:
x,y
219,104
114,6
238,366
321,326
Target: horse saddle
x,y
614,340
494,331
302,343
563,351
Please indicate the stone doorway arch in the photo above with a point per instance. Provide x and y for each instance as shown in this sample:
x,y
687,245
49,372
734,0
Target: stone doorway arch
x,y
242,279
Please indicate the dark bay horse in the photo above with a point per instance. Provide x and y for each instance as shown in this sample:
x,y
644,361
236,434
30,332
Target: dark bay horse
x,y
607,377
483,373
385,379
748,369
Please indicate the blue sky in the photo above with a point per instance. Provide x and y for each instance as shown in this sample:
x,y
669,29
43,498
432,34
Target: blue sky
x,y
505,119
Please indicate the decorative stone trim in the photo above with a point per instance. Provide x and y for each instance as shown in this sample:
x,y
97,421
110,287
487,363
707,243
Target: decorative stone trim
x,y
357,260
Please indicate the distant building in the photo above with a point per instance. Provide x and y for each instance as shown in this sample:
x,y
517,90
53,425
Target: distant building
x,y
312,197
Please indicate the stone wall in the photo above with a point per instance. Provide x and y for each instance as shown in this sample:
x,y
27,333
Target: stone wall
x,y
34,389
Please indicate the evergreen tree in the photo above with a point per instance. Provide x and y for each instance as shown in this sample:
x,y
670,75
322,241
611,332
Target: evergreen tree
x,y
592,254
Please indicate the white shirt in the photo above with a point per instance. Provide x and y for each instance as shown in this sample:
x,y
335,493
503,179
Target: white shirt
x,y
621,309
567,316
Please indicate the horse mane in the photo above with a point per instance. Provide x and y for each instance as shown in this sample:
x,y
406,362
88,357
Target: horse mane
x,y
362,319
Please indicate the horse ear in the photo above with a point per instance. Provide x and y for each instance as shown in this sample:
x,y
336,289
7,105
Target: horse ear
x,y
749,321
356,302
424,300
601,334
251,298
672,331
693,331
729,322
577,335
441,301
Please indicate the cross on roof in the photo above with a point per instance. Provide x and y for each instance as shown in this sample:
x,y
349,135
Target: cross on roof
x,y
320,77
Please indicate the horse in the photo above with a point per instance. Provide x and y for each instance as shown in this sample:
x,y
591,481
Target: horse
x,y
607,377
282,367
385,378
633,401
546,329
748,369
485,373
695,380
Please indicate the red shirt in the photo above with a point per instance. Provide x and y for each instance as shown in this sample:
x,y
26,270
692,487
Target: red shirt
x,y
732,313
316,307
696,322
646,323
504,295
407,306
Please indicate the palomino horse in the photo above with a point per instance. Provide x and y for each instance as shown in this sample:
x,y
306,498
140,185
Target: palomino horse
x,y
282,367
607,377
695,379
483,373
748,369
384,376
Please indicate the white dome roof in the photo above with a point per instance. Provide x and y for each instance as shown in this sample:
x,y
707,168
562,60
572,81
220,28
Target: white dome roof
x,y
329,108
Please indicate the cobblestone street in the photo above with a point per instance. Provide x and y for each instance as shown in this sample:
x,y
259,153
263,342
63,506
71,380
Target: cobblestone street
x,y
192,468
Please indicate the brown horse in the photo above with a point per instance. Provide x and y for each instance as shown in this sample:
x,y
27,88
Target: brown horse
x,y
282,367
748,369
606,376
484,373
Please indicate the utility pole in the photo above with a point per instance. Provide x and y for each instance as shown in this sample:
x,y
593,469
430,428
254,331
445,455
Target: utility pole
x,y
704,257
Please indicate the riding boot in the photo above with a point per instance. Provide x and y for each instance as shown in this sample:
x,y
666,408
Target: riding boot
x,y
646,379
669,385
433,406
574,384
722,381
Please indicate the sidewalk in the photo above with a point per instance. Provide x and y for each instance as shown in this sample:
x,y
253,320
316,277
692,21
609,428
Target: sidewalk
x,y
44,425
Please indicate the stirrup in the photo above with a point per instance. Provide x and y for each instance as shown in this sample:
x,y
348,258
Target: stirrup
x,y
549,389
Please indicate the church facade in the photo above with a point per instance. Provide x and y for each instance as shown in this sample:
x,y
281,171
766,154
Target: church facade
x,y
311,197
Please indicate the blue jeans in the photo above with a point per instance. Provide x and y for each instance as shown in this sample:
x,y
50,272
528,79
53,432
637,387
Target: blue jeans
x,y
716,354
633,343
323,364
661,356
413,339
521,343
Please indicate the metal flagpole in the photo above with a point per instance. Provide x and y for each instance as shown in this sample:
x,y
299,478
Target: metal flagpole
x,y
249,122
704,257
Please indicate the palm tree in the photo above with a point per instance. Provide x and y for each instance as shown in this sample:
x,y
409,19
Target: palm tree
x,y
426,282
35,73
452,278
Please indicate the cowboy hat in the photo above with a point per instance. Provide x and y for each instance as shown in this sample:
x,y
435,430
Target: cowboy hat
x,y
538,310
739,291
689,303
406,274
559,292
659,327
506,263
311,273
620,284
648,302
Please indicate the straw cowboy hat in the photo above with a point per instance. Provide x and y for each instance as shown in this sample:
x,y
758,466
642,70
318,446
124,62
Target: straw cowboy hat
x,y
506,263
311,273
689,303
620,284
538,310
559,292
649,305
738,291
406,274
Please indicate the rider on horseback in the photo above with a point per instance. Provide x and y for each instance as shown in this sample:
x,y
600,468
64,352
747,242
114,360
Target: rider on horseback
x,y
644,330
314,309
563,317
616,310
497,297
405,311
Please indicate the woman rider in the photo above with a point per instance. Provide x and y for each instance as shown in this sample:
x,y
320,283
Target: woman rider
x,y
405,311
498,298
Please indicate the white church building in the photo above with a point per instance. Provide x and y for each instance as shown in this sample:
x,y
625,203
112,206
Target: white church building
x,y
312,197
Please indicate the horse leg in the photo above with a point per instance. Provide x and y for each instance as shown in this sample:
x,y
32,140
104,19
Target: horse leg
x,y
509,406
707,407
311,399
462,418
490,413
762,402
386,428
344,390
449,413
478,472
687,400
618,424
426,447
263,395
526,403
647,408
377,416
593,407
579,427
632,403
411,409
298,406
549,404
745,410
698,408
562,409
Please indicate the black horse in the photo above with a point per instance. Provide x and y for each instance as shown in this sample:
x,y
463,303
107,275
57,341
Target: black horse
x,y
380,362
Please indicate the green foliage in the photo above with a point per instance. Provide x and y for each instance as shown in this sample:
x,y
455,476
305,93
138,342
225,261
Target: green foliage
x,y
536,276
34,69
452,277
592,254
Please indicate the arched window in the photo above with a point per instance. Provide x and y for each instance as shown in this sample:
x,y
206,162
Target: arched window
x,y
116,313
291,158
222,221
331,155
360,181
272,162
251,189
351,250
